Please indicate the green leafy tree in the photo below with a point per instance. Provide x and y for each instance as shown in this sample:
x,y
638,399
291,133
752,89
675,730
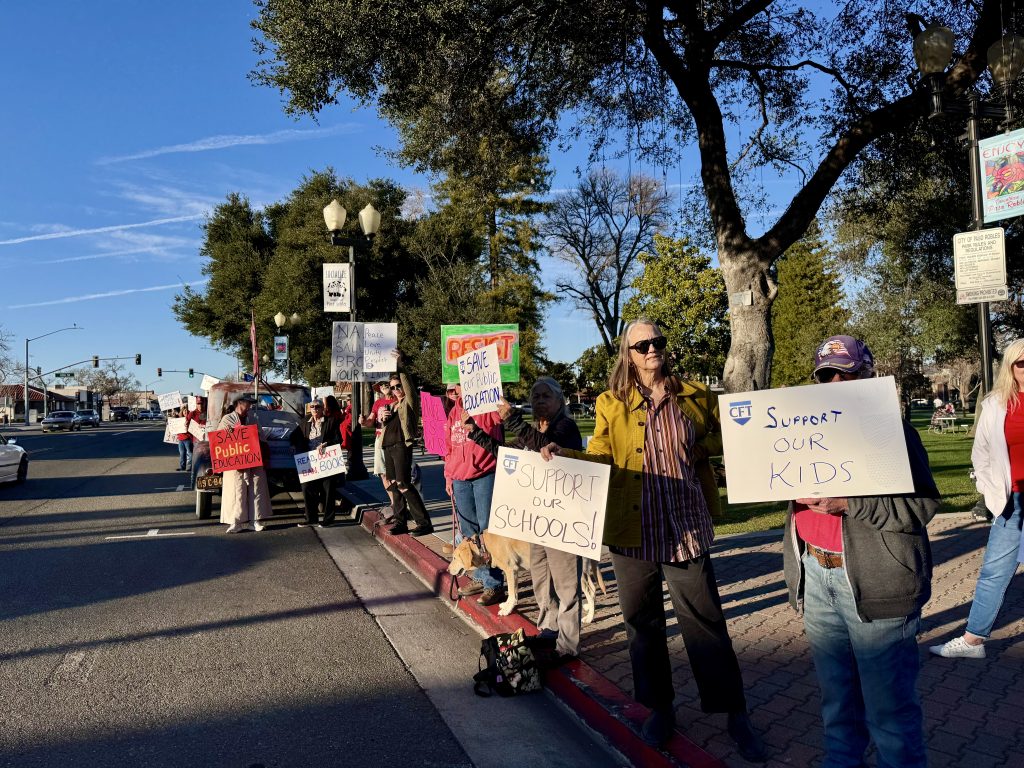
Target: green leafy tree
x,y
594,367
808,310
680,291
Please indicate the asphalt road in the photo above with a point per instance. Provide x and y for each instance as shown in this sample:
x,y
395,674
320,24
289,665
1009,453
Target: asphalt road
x,y
132,634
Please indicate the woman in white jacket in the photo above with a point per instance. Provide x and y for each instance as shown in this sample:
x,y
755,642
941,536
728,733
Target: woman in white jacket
x,y
998,458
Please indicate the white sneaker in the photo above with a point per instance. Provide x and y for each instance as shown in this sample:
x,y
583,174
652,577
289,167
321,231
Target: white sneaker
x,y
236,528
258,526
959,648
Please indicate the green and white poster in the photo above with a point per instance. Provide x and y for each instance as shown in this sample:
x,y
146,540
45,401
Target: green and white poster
x,y
457,340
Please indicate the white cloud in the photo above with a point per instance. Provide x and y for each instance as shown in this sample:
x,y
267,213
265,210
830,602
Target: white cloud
x,y
108,294
226,141
97,230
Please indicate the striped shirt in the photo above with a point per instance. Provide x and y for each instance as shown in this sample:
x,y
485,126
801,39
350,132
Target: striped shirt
x,y
675,524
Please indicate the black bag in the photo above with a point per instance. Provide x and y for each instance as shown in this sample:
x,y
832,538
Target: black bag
x,y
508,666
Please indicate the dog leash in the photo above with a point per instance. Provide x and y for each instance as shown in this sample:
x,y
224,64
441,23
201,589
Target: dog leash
x,y
453,590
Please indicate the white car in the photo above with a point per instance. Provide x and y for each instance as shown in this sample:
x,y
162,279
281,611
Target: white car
x,y
13,462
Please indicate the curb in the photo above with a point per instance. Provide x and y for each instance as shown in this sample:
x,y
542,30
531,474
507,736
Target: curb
x,y
597,701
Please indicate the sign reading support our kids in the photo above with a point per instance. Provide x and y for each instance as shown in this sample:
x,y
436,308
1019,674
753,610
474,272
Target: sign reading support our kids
x,y
480,378
315,465
824,440
235,449
457,340
558,503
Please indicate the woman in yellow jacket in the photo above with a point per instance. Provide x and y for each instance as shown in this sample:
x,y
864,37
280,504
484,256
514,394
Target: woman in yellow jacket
x,y
658,432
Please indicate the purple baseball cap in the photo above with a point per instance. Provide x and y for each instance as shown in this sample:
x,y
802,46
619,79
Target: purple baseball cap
x,y
844,353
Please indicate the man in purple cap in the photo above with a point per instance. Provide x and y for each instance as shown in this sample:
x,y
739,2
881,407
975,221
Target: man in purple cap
x,y
863,568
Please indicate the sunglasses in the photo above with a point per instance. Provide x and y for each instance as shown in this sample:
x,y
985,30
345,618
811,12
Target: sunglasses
x,y
642,346
396,386
828,374
1018,363
317,407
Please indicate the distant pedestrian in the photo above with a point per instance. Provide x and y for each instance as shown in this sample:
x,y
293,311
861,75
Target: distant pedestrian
x,y
184,443
245,497
998,458
863,566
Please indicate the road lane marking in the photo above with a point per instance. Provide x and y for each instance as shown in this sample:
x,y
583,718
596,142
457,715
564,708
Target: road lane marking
x,y
152,533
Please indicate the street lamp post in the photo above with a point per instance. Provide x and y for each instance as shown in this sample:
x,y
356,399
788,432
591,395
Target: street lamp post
x,y
74,327
369,222
933,50
282,321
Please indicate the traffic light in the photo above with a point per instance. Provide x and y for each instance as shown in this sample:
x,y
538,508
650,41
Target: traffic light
x,y
39,370
191,373
159,372
138,359
95,361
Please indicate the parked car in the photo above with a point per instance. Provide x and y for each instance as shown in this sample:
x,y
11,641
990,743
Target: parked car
x,y
89,417
150,416
121,413
62,420
13,461
276,427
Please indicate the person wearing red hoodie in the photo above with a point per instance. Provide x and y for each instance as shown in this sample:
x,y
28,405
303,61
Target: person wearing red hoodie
x,y
469,480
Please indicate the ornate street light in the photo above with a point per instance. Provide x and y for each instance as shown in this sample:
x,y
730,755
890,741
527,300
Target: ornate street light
x,y
282,321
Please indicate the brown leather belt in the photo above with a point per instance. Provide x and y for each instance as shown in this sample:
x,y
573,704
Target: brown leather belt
x,y
825,558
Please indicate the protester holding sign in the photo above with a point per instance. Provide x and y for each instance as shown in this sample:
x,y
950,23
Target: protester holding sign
x,y
863,566
375,419
400,425
245,497
315,433
184,440
658,433
198,416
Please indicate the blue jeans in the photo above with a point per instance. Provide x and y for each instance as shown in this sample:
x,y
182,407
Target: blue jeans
x,y
473,506
867,671
184,454
997,569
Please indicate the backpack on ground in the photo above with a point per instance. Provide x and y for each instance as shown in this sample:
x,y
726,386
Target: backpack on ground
x,y
507,666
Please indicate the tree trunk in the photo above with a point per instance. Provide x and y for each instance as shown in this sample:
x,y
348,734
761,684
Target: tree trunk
x,y
751,292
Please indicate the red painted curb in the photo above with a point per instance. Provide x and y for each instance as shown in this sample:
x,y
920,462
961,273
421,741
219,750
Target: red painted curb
x,y
595,699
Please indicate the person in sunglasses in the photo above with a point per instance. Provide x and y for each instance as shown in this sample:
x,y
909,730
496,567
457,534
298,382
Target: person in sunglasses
x,y
400,422
998,459
863,567
658,433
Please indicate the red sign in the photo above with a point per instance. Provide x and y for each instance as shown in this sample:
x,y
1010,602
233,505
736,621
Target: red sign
x,y
235,449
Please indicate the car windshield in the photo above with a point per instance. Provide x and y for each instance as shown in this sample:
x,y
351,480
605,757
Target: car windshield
x,y
62,414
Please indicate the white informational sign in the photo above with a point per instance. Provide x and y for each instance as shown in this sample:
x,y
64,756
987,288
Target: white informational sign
x,y
558,503
480,377
347,351
192,402
318,393
979,260
169,400
337,287
197,430
280,347
1002,175
824,440
380,340
316,466
208,382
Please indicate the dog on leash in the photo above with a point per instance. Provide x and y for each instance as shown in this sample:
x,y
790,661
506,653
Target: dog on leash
x,y
510,556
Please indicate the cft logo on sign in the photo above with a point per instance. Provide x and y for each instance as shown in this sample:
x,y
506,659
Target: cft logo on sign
x,y
510,463
740,411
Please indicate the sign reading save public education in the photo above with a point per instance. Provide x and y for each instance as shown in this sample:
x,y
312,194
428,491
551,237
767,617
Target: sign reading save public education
x,y
457,340
979,261
1002,175
480,377
235,449
315,465
558,503
823,440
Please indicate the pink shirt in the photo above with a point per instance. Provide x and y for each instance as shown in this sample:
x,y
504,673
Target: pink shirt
x,y
822,531
466,460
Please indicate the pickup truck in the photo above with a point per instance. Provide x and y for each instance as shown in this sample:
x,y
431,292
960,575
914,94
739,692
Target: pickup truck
x,y
276,426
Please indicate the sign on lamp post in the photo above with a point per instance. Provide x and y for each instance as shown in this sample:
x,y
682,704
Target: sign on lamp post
x,y
979,259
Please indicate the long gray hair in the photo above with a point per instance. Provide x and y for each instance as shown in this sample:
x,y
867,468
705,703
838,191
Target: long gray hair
x,y
556,390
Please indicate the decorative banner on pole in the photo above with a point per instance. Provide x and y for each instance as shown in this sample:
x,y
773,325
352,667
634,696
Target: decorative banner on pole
x,y
823,440
558,503
280,347
480,378
235,449
380,340
347,351
457,340
207,383
316,466
434,418
1002,175
169,400
337,287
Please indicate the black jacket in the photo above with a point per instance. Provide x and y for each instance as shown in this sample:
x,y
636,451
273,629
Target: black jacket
x,y
562,431
330,432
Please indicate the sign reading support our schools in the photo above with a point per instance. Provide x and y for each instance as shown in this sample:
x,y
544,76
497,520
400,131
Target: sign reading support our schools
x,y
823,440
1002,175
457,340
337,287
315,465
558,503
480,378
235,449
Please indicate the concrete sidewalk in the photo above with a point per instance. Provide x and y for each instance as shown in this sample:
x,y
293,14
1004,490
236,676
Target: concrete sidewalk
x,y
972,708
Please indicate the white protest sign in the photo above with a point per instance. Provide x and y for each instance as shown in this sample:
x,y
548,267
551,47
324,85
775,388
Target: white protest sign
x,y
197,430
480,377
380,340
176,426
169,400
337,287
320,392
347,351
193,402
315,465
558,503
208,381
824,440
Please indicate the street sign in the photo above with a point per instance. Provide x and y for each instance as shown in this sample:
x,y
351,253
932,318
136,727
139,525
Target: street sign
x,y
64,374
979,260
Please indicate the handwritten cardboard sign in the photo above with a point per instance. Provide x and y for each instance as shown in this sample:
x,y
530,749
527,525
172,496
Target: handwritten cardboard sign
x,y
176,426
347,351
171,438
316,466
457,340
380,340
434,418
169,400
480,378
207,383
197,430
235,449
558,503
337,287
825,440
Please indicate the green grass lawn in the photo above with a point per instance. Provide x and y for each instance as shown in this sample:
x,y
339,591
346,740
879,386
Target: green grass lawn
x,y
949,455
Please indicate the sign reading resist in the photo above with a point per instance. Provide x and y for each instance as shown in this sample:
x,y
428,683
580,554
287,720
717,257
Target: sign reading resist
x,y
558,503
315,465
235,449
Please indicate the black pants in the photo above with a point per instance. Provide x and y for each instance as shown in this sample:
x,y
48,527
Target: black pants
x,y
321,492
694,593
398,468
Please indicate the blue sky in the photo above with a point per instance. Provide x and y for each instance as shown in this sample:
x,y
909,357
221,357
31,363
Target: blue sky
x,y
125,122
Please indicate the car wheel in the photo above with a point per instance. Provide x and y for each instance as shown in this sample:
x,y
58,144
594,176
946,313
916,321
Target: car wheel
x,y
204,505
22,471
